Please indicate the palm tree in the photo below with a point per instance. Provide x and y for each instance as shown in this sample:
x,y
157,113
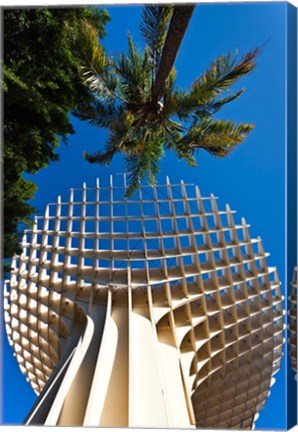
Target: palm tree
x,y
144,112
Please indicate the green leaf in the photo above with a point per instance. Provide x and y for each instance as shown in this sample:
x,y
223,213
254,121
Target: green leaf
x,y
154,27
145,164
217,137
224,72
99,114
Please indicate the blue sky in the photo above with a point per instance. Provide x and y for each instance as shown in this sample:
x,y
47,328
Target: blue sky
x,y
251,179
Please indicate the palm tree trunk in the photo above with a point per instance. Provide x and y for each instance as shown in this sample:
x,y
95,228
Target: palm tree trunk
x,y
178,26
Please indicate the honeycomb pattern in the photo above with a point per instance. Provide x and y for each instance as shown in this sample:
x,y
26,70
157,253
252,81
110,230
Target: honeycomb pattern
x,y
206,280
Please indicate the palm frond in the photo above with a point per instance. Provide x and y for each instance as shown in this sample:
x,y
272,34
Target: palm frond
x,y
102,158
218,104
188,109
172,133
217,137
95,67
144,164
154,27
101,84
122,138
132,69
127,135
100,114
222,74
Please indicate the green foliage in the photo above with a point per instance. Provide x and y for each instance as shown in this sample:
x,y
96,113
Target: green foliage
x,y
180,121
93,62
154,27
224,72
41,87
217,137
17,214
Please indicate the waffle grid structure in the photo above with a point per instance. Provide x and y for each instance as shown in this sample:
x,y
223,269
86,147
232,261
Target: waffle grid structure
x,y
293,321
161,299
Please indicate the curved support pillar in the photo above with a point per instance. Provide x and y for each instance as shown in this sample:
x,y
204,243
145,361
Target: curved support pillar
x,y
118,375
72,398
40,409
108,402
